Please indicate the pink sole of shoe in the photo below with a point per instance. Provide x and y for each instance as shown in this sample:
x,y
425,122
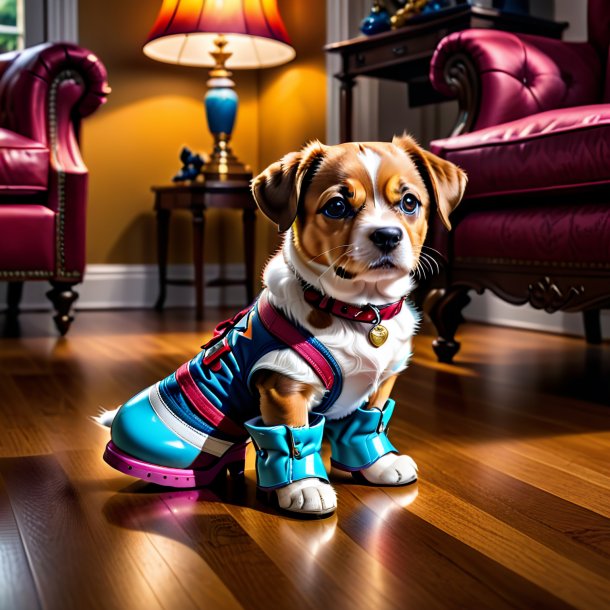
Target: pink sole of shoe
x,y
233,461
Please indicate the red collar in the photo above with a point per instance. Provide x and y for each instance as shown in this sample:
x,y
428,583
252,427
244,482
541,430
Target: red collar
x,y
367,313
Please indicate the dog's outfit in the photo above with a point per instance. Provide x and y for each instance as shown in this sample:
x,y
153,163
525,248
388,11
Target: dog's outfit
x,y
195,423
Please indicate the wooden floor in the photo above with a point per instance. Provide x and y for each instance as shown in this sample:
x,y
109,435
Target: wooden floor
x,y
512,509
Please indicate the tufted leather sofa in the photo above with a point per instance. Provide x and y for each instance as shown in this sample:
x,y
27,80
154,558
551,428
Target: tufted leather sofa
x,y
45,91
533,134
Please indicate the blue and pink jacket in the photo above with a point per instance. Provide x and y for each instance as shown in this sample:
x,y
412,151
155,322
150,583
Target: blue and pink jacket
x,y
213,393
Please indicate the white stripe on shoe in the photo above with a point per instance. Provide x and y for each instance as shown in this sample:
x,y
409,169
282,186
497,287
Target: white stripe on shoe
x,y
188,434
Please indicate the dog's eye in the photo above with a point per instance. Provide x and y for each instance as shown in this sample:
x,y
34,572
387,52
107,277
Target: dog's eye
x,y
337,208
409,204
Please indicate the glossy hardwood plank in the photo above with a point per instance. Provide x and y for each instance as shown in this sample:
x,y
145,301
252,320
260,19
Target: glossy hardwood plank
x,y
117,517
518,411
17,586
566,528
318,556
568,581
242,565
152,516
407,538
489,444
511,510
21,433
71,569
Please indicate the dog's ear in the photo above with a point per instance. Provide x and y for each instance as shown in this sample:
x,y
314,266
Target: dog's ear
x,y
445,181
279,190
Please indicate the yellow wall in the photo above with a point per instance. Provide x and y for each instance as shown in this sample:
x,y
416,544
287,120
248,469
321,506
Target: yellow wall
x,y
292,98
154,109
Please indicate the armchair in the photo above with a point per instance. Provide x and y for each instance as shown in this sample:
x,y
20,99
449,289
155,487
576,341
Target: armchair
x,y
45,91
533,134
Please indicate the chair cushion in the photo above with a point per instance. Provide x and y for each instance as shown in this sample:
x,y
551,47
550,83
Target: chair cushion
x,y
24,164
27,238
569,235
549,151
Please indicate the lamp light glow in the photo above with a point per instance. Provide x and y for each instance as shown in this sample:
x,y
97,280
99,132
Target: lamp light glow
x,y
222,35
185,30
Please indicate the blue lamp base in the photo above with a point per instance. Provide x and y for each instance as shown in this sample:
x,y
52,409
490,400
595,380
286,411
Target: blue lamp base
x,y
221,103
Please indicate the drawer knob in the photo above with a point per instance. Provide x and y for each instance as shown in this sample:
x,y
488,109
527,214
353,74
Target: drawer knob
x,y
399,51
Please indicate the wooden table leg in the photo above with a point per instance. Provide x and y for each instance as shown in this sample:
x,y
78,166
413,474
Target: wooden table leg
x,y
198,236
249,220
163,218
346,101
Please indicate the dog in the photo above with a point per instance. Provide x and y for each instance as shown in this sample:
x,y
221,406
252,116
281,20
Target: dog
x,y
318,353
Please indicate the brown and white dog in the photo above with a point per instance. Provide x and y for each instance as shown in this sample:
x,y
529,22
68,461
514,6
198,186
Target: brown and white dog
x,y
355,218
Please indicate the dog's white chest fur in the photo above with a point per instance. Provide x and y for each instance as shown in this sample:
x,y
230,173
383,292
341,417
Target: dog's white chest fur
x,y
364,366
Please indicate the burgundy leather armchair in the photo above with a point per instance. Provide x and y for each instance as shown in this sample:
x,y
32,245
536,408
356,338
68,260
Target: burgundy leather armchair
x,y
45,91
533,134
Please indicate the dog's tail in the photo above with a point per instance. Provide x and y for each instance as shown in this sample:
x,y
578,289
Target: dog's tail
x,y
105,418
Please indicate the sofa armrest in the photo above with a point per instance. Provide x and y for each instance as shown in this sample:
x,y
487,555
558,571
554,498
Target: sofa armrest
x,y
498,76
31,88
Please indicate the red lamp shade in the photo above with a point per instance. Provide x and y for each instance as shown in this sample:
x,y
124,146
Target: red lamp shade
x,y
185,30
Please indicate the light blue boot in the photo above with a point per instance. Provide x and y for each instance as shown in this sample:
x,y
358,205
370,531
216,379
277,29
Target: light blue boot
x,y
285,456
143,446
360,439
138,431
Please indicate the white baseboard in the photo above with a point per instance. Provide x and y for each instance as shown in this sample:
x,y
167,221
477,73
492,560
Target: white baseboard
x,y
490,309
137,287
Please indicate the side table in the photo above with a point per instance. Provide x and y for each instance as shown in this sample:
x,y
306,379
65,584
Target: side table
x,y
198,197
404,54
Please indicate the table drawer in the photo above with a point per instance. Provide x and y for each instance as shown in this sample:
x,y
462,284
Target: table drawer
x,y
394,52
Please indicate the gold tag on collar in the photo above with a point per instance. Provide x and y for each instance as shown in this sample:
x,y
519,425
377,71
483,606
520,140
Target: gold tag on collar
x,y
378,335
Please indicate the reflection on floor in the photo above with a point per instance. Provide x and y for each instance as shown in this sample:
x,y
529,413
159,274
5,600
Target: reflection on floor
x,y
512,509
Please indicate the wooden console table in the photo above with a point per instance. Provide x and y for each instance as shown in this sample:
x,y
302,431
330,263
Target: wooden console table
x,y
197,197
404,54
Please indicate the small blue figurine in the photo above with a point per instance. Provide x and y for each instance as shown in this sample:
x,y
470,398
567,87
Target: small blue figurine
x,y
378,20
191,166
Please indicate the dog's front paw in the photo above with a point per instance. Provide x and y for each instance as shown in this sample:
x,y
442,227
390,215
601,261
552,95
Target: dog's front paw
x,y
391,469
308,496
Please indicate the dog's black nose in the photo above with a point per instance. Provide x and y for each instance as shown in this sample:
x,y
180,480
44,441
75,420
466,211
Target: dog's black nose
x,y
386,238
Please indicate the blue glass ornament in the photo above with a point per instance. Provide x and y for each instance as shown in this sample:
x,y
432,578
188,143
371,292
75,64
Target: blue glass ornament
x,y
378,20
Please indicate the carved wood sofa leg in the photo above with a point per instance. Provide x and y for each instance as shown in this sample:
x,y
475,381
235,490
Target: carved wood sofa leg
x,y
593,327
62,296
446,314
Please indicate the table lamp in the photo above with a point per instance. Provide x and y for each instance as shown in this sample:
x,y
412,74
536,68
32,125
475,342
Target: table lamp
x,y
221,34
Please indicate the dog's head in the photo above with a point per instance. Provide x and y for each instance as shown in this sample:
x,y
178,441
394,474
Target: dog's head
x,y
359,211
